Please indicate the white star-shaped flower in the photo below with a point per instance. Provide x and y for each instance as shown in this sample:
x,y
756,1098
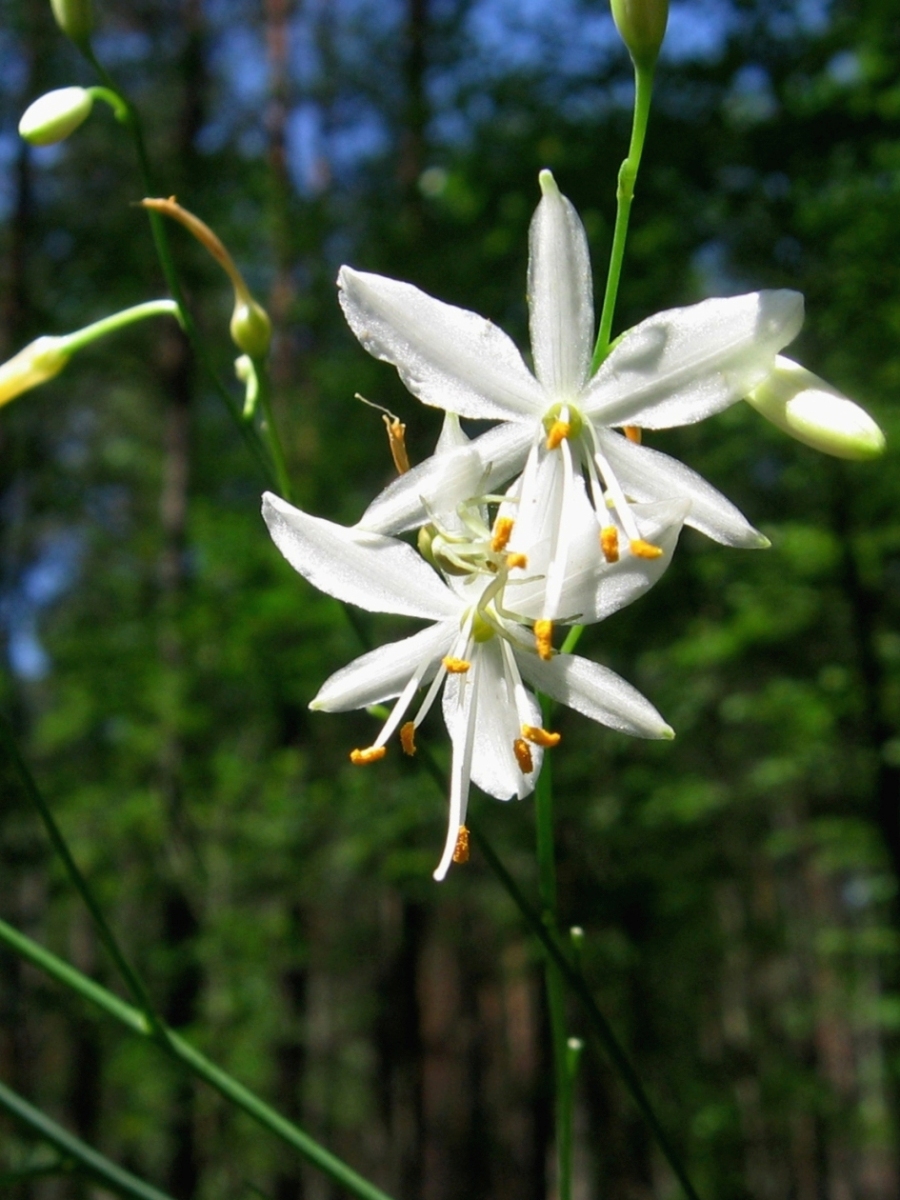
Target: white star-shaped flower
x,y
474,648
674,368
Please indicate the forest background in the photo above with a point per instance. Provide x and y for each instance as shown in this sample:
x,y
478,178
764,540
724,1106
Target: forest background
x,y
737,888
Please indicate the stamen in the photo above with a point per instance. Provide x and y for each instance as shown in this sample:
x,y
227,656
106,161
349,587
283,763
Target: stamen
x,y
516,560
541,737
633,433
456,666
522,751
609,543
461,849
408,738
361,758
642,549
396,432
503,528
558,433
543,639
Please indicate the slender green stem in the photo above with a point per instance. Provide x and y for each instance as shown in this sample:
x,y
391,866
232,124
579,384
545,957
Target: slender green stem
x,y
177,1048
106,1172
269,428
643,91
128,316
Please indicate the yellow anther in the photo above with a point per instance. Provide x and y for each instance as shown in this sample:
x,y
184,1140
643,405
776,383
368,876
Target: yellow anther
x,y
642,549
609,543
632,432
543,639
557,432
541,737
456,666
408,738
396,432
522,751
361,758
461,849
503,528
516,560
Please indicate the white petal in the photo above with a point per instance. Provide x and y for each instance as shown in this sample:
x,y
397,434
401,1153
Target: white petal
x,y
497,723
680,366
447,356
596,692
377,573
501,452
452,435
383,673
560,294
649,475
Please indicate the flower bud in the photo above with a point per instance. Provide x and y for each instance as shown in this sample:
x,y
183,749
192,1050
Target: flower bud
x,y
53,116
32,366
75,19
814,413
642,26
251,329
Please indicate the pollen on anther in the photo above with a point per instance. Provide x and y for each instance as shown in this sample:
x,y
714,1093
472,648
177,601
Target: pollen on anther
x,y
541,737
642,549
557,433
461,849
609,543
503,528
361,758
516,560
543,639
633,433
522,751
408,738
456,666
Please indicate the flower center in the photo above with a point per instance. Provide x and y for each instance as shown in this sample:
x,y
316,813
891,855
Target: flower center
x,y
562,421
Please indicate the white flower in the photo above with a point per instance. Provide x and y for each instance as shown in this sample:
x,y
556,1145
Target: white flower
x,y
474,648
672,369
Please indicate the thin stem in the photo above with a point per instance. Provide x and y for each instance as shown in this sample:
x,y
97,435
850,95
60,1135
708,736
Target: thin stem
x,y
128,316
89,1160
643,91
269,428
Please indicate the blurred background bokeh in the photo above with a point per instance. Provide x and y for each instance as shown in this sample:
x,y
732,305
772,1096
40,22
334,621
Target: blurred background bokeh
x,y
738,887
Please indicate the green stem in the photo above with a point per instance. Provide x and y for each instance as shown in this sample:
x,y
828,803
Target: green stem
x,y
107,1173
643,90
177,1048
269,428
128,316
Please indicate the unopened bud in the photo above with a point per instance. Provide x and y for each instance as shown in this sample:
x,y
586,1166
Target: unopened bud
x,y
251,329
814,413
642,27
75,19
53,116
32,366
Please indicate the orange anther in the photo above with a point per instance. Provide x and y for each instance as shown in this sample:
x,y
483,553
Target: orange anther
x,y
522,751
408,738
543,639
361,758
609,543
541,737
461,849
516,560
559,430
503,528
642,549
456,666
396,432
632,432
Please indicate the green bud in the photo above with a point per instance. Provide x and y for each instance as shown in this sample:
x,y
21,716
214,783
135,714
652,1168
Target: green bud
x,y
53,116
642,27
251,329
75,19
32,366
814,413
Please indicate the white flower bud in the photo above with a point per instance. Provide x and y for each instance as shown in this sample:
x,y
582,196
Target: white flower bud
x,y
34,365
814,413
53,116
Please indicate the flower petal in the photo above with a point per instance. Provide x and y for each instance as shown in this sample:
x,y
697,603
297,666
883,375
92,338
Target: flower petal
x,y
596,692
650,475
383,673
560,294
447,356
680,366
377,573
